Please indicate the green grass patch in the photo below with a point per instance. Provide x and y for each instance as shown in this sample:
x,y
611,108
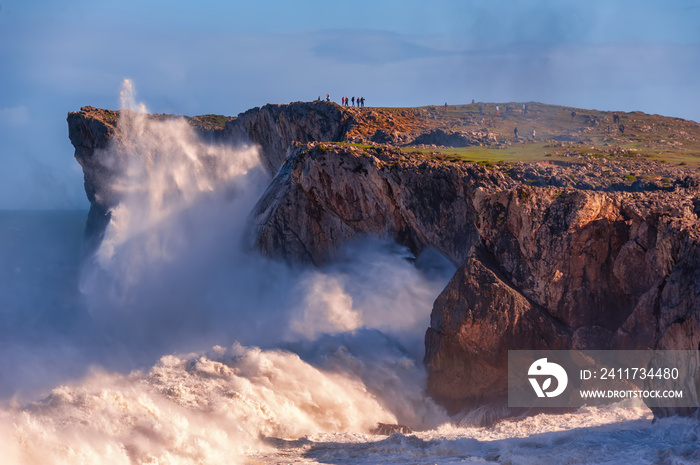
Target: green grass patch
x,y
524,152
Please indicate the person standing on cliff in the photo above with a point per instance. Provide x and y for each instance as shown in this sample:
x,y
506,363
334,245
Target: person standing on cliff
x,y
497,110
328,97
515,131
362,99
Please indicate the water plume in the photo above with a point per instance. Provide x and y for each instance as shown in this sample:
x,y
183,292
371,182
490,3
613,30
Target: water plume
x,y
333,350
198,408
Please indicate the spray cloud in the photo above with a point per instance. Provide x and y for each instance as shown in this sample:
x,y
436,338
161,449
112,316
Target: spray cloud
x,y
311,350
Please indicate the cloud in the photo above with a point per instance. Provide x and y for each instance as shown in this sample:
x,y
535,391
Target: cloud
x,y
373,47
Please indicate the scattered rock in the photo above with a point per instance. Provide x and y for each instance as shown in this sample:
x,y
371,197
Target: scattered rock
x,y
385,429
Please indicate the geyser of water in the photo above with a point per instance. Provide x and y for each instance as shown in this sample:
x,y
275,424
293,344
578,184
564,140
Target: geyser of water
x,y
328,350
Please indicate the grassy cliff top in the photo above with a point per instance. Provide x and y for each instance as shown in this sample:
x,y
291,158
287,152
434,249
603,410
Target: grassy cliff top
x,y
558,133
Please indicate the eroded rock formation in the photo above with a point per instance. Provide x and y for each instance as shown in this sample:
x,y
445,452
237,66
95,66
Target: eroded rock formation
x,y
325,197
552,255
540,267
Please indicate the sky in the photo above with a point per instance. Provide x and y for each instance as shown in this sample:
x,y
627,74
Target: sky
x,y
225,57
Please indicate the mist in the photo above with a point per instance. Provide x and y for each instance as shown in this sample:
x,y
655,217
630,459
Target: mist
x,y
173,299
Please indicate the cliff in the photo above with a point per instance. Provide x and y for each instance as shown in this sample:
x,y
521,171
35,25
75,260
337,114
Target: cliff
x,y
578,269
271,128
325,196
542,264
580,236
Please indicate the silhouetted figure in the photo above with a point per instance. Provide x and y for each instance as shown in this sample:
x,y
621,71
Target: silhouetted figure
x,y
363,102
328,97
515,131
353,101
445,105
622,129
573,115
473,102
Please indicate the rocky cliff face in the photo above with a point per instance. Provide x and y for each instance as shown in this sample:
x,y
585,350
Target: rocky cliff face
x,y
325,196
556,254
540,267
604,269
274,127
91,130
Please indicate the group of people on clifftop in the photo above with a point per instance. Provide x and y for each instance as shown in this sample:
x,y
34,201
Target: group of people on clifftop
x,y
344,101
359,100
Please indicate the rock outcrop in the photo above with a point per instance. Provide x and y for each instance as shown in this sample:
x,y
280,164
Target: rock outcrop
x,y
455,138
90,130
475,321
325,196
604,268
597,249
539,267
272,128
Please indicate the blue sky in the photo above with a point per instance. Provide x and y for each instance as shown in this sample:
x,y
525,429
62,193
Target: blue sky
x,y
225,57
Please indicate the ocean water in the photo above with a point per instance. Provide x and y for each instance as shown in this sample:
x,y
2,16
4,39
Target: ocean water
x,y
174,343
73,393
